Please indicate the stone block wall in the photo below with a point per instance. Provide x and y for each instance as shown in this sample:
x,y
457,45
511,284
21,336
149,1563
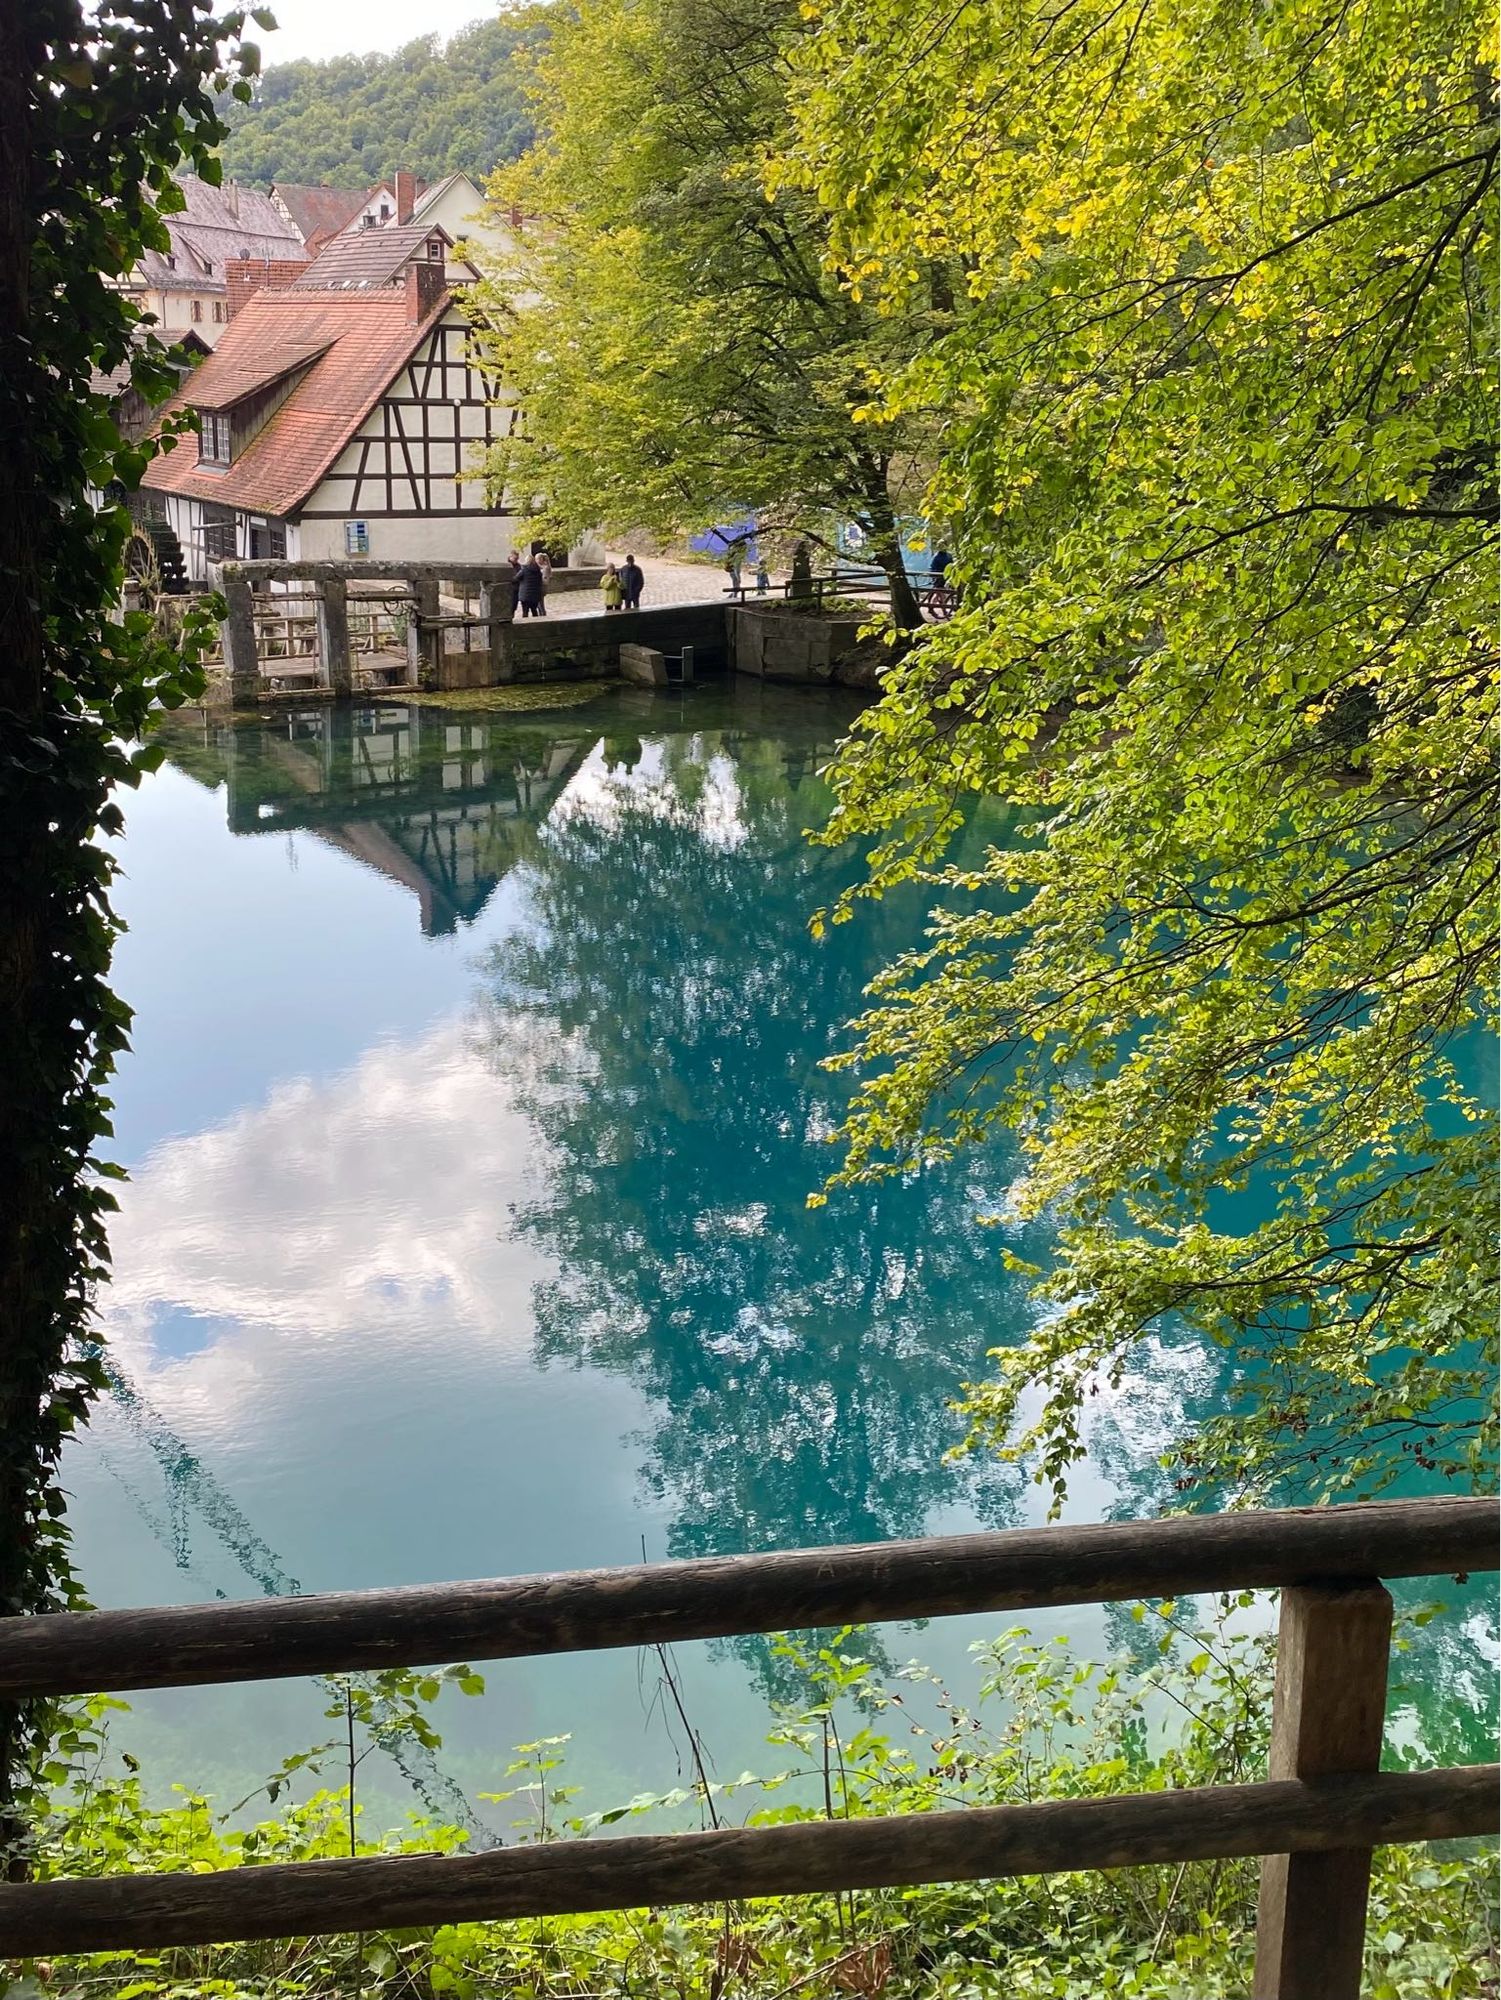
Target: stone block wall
x,y
536,649
780,646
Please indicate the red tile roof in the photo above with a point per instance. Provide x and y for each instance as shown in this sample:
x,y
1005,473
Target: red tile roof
x,y
318,212
366,338
238,377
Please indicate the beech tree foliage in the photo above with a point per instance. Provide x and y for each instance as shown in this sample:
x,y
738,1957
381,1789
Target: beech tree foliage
x,y
681,349
1221,454
435,107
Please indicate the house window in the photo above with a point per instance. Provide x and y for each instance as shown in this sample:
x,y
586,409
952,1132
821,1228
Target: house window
x,y
385,211
435,249
195,310
268,541
213,438
218,534
356,538
221,310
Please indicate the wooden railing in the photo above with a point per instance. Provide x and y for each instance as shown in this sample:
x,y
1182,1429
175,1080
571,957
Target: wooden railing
x,y
1324,1806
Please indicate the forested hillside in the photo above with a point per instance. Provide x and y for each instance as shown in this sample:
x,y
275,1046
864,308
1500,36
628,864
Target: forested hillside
x,y
433,107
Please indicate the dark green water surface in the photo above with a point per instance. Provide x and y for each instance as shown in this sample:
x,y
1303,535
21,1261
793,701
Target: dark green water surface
x,y
474,1104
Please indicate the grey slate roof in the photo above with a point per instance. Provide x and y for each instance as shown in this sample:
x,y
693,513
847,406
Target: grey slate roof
x,y
217,226
318,212
365,258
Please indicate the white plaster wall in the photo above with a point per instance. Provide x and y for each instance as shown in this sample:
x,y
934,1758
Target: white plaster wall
x,y
457,210
469,538
182,518
173,313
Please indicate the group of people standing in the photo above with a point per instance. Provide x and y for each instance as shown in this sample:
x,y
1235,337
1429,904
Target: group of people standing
x,y
622,587
531,575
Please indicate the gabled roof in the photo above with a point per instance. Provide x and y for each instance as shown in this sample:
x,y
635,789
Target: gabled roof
x,y
364,339
218,225
367,258
388,186
430,196
319,212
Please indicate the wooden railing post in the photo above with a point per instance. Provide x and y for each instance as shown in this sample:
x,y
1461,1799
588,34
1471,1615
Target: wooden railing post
x,y
1333,1646
496,608
337,673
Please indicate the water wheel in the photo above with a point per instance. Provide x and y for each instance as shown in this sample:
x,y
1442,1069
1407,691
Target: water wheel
x,y
143,570
153,562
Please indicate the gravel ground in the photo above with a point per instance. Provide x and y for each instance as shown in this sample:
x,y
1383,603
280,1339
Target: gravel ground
x,y
667,582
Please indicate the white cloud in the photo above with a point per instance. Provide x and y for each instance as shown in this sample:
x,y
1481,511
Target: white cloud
x,y
334,1205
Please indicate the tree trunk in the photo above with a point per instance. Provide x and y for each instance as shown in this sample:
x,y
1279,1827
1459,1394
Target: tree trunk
x,y
886,546
29,1225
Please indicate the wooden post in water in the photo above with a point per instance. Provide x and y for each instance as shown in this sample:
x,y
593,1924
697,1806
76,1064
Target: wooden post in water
x,y
1333,1646
241,659
333,636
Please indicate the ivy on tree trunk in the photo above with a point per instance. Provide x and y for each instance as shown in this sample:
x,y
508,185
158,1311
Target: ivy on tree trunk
x,y
96,110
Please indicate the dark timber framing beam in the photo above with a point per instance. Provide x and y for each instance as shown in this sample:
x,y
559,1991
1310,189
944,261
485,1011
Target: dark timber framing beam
x,y
400,1892
576,1611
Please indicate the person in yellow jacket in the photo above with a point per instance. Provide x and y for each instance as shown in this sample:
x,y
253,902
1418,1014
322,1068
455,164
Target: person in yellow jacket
x,y
610,584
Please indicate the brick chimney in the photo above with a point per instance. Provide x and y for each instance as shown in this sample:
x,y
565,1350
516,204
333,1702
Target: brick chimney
x,y
404,187
244,275
426,284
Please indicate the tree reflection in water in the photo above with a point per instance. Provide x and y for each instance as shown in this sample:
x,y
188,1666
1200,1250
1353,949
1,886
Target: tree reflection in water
x,y
798,1360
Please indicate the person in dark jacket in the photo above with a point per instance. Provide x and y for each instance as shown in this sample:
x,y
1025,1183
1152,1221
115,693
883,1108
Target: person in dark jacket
x,y
632,582
529,589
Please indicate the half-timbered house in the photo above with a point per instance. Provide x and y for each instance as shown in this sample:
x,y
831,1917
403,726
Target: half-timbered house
x,y
339,416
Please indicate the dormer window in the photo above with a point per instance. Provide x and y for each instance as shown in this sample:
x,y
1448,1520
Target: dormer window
x,y
214,438
170,261
435,249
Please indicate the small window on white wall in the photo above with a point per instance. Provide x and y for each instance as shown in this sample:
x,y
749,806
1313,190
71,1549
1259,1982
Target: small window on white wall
x,y
356,538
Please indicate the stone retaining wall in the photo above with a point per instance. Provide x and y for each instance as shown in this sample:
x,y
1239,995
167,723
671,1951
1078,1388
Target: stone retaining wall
x,y
781,646
534,649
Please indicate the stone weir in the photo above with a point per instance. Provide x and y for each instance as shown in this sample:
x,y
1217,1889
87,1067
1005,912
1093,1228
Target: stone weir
x,y
450,626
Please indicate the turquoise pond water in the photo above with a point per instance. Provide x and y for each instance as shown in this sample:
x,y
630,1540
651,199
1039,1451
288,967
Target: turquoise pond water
x,y
473,1106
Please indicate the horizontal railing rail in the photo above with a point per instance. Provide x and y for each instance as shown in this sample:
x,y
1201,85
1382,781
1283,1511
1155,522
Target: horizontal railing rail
x,y
1024,1569
557,1878
1324,1806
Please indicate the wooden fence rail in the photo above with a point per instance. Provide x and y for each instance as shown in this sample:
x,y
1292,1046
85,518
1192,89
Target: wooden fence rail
x,y
1316,1819
401,1891
714,1598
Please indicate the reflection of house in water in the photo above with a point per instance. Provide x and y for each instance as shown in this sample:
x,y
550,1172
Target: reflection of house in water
x,y
446,807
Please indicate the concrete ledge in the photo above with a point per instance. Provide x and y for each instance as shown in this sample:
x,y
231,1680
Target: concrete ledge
x,y
643,666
